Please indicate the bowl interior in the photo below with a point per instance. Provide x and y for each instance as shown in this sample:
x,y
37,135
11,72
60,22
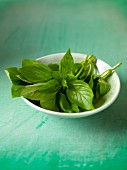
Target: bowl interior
x,y
105,101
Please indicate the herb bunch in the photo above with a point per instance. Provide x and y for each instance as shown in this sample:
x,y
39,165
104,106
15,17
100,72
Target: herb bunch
x,y
65,87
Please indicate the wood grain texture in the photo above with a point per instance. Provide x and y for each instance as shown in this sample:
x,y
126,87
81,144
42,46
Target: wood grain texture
x,y
31,140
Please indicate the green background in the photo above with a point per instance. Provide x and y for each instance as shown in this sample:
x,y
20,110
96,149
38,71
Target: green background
x,y
31,140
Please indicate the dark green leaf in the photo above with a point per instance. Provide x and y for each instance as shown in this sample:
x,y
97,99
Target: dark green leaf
x,y
79,93
76,68
64,103
66,64
54,67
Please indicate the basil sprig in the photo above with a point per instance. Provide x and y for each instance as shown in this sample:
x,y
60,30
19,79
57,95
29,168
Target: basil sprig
x,y
65,87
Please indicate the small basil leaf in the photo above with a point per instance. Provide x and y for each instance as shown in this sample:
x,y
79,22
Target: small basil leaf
x,y
66,64
98,102
91,82
26,62
75,108
16,90
79,93
76,68
104,87
36,73
64,103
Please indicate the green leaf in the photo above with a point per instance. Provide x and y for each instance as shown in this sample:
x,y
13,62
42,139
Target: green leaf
x,y
75,108
79,93
26,62
36,73
66,64
76,68
54,67
14,76
51,86
104,87
48,101
48,95
16,90
64,103
37,91
32,92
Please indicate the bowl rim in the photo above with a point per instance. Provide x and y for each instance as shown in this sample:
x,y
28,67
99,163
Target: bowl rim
x,y
80,114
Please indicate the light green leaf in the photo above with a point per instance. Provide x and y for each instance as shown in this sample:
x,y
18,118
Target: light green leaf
x,y
64,103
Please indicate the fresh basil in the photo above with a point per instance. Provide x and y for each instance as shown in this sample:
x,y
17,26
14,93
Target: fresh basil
x,y
66,86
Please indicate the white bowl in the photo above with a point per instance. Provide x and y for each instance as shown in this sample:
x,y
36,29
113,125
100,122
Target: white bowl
x,y
109,98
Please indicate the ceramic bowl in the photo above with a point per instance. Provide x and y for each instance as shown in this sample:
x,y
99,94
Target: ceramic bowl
x,y
108,99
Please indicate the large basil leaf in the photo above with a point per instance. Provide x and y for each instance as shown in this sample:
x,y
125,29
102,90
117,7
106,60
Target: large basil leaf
x,y
37,91
36,73
80,93
26,62
66,64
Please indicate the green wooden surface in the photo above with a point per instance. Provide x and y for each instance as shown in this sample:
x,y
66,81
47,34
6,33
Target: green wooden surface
x,y
31,140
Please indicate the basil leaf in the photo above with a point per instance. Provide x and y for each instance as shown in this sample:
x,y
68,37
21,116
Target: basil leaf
x,y
36,91
104,87
48,95
48,101
51,86
75,108
76,68
66,64
64,103
26,62
32,92
36,73
13,75
80,93
16,90
54,67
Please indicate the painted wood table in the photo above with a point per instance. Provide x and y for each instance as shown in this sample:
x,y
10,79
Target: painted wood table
x,y
32,140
